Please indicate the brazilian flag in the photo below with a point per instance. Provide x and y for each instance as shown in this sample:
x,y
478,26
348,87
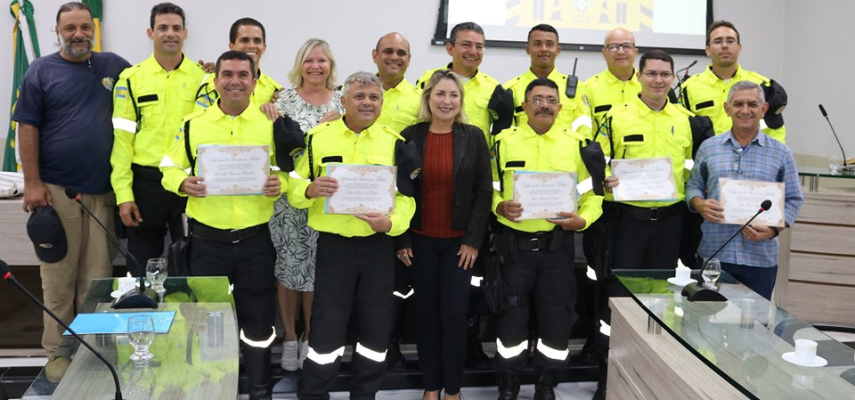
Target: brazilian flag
x,y
25,28
97,10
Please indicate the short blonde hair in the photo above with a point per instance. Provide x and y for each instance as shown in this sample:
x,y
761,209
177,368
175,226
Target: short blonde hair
x,y
438,75
296,74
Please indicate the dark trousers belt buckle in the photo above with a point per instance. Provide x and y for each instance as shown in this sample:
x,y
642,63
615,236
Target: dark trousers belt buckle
x,y
535,244
235,233
654,214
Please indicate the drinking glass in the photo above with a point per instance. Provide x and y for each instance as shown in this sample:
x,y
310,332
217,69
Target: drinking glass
x,y
155,271
141,335
711,273
834,163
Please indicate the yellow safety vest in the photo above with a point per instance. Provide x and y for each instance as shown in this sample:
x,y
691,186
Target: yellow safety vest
x,y
605,91
574,114
400,106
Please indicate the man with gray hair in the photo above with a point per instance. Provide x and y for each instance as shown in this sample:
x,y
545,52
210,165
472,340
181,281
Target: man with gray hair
x,y
744,153
355,263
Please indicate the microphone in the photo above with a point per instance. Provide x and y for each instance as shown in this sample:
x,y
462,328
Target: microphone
x,y
7,276
695,290
138,297
825,114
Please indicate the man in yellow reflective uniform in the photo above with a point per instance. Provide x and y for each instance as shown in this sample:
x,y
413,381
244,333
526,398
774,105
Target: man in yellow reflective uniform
x,y
486,103
538,254
249,36
543,48
355,265
401,99
617,84
150,101
648,232
706,93
229,234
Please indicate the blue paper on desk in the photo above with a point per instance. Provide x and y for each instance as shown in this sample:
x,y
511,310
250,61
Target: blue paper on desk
x,y
117,323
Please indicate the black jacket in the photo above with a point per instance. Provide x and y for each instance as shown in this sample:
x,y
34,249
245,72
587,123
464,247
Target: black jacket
x,y
473,182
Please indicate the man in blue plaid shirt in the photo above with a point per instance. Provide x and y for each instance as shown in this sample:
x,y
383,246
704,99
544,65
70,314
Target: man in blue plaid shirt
x,y
743,153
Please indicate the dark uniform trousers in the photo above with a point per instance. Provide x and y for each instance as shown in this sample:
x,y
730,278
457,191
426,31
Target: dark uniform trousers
x,y
248,264
541,272
160,210
356,271
648,238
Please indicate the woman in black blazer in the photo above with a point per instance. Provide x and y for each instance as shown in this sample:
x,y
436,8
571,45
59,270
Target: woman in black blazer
x,y
453,194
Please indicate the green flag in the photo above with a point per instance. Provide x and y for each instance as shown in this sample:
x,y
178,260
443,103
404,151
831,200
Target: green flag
x,y
25,28
96,8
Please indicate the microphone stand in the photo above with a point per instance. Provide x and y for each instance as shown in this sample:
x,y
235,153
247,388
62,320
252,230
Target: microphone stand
x,y
138,297
696,291
8,276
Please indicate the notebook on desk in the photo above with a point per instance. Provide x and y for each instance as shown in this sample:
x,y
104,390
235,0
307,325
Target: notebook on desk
x,y
117,323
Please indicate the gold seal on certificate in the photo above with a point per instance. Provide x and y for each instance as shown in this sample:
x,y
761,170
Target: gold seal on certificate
x,y
234,170
362,189
644,179
742,199
545,194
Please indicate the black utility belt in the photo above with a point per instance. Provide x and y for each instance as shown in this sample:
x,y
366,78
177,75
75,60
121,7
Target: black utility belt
x,y
650,214
147,173
537,241
202,231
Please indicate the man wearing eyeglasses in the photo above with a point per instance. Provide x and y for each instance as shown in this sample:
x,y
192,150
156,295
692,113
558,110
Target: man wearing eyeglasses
x,y
486,104
706,93
617,84
543,48
649,126
537,254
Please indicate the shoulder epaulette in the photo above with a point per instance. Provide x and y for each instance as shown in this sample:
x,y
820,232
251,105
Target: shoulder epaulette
x,y
573,134
757,76
195,114
390,131
505,133
618,109
319,128
130,71
682,109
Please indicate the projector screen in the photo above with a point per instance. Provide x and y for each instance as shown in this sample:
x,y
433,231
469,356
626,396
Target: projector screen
x,y
678,26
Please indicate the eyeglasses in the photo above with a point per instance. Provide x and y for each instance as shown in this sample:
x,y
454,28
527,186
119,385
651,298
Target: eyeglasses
x,y
614,47
719,42
654,74
469,46
538,100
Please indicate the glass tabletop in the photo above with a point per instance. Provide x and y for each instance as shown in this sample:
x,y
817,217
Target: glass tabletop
x,y
748,353
196,359
824,173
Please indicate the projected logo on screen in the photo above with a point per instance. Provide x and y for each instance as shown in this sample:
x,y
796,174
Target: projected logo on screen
x,y
634,15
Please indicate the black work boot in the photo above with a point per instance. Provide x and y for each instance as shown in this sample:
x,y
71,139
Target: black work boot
x,y
257,363
394,358
544,386
475,356
509,386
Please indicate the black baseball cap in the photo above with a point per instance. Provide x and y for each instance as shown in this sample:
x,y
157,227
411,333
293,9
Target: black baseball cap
x,y
289,139
776,96
409,162
45,230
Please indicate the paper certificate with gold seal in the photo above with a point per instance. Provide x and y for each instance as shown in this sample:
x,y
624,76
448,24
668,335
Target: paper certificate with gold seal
x,y
644,179
545,194
742,199
362,189
234,170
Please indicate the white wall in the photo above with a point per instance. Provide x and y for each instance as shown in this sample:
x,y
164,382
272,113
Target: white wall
x,y
816,62
352,28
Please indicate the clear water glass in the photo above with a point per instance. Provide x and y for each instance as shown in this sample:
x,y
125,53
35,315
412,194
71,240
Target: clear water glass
x,y
141,335
156,272
711,273
834,163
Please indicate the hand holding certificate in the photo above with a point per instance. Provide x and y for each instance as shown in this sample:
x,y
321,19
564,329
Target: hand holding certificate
x,y
234,170
545,194
741,200
362,189
644,179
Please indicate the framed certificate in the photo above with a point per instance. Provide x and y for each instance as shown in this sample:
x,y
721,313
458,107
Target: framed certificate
x,y
545,194
742,199
362,189
644,179
234,170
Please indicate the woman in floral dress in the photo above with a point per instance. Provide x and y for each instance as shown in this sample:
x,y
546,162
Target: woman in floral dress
x,y
311,101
